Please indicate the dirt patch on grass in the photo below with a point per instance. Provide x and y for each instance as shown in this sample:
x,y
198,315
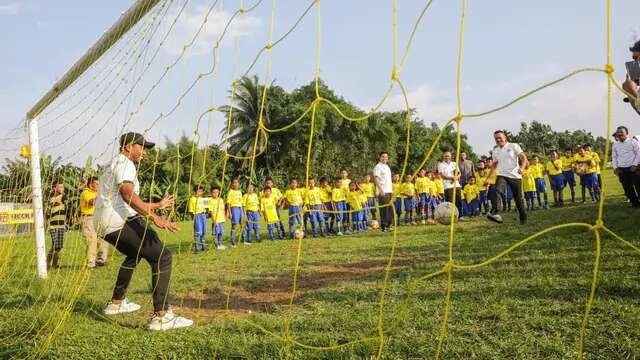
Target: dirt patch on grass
x,y
269,292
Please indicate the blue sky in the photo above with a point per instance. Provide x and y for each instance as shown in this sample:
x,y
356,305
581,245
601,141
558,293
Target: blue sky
x,y
510,47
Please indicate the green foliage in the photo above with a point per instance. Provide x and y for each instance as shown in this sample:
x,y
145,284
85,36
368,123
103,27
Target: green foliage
x,y
539,138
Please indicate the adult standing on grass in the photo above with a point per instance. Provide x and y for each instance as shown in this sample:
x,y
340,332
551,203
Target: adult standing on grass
x,y
95,244
467,169
625,155
509,163
384,190
124,220
450,174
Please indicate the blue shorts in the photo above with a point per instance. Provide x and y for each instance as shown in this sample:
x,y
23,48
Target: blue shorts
x,y
236,215
541,185
557,182
530,195
408,204
424,200
569,178
218,229
589,180
253,219
483,197
341,207
200,224
357,216
398,205
315,213
328,206
371,202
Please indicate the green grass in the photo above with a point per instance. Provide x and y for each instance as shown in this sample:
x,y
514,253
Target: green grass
x,y
528,304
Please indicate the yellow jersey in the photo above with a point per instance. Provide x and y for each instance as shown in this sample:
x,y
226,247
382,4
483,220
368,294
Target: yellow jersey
x,y
325,194
491,179
87,202
354,199
275,193
338,194
481,179
294,197
408,190
596,159
250,202
216,207
432,188
344,183
313,196
538,170
471,192
368,189
554,167
567,163
234,198
268,208
364,199
396,189
529,180
196,205
422,185
439,186
585,163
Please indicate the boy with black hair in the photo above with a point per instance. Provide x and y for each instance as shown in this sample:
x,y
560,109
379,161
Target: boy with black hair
x,y
294,199
251,205
218,216
235,212
568,169
199,213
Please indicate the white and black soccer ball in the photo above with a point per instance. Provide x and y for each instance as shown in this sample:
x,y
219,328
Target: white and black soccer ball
x,y
442,213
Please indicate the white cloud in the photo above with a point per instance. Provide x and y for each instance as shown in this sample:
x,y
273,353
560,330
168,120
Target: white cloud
x,y
11,8
431,104
190,21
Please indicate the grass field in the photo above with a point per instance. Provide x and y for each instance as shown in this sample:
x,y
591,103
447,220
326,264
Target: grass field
x,y
526,305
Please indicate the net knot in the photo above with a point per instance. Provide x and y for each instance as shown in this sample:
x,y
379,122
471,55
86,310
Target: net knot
x,y
598,225
242,11
458,118
268,46
609,69
448,266
394,74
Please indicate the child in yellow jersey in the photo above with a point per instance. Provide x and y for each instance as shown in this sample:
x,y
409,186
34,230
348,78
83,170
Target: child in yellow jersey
x,y
481,179
277,194
596,158
397,198
553,168
541,185
586,168
568,169
529,187
369,190
217,209
339,204
422,190
251,205
408,193
344,179
234,209
325,191
354,199
313,203
439,186
268,207
471,203
294,200
199,213
433,194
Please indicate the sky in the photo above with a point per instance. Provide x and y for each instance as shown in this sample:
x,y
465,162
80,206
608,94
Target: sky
x,y
509,48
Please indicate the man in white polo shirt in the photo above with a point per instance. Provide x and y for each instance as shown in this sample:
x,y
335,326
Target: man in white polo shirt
x,y
450,174
124,220
626,158
509,162
384,190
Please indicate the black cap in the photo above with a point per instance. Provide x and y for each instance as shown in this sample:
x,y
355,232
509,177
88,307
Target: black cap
x,y
135,138
635,47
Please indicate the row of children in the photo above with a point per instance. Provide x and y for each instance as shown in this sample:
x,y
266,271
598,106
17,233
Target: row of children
x,y
344,208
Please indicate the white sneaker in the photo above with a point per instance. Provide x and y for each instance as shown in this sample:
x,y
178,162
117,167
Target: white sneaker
x,y
495,218
221,247
169,321
124,307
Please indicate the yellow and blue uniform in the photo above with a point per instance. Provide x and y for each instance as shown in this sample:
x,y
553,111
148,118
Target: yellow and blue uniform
x,y
339,200
482,198
422,188
251,205
529,186
588,176
556,178
538,174
439,186
408,193
568,165
218,217
325,192
313,200
396,189
234,202
294,198
199,211
471,204
354,199
276,194
268,206
369,191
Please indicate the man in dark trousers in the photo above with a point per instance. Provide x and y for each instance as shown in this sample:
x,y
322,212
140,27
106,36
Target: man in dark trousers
x,y
625,156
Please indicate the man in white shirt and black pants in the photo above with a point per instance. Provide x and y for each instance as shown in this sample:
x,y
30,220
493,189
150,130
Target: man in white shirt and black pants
x,y
384,189
123,220
625,155
450,174
509,161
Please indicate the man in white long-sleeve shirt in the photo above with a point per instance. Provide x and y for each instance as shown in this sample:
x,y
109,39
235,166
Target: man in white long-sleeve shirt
x,y
626,157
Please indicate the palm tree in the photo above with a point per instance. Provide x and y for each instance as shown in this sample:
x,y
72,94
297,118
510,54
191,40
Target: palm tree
x,y
245,115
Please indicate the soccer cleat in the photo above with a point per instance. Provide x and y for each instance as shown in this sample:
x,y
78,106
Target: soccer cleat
x,y
123,307
221,247
495,218
168,321
339,233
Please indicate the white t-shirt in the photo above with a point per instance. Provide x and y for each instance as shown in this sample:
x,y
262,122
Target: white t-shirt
x,y
448,170
507,158
383,171
111,210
